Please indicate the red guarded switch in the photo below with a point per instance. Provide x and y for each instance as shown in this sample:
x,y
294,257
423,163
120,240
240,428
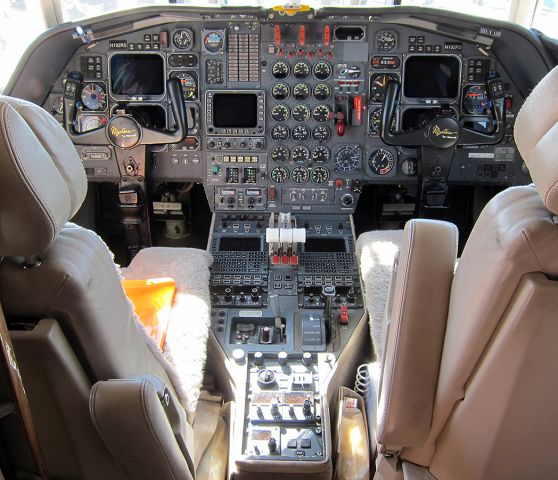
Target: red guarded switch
x,y
277,35
357,104
275,260
294,259
343,315
285,260
340,124
327,36
302,35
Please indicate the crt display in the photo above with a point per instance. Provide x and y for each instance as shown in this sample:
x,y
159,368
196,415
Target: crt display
x,y
324,245
431,76
233,244
137,74
235,110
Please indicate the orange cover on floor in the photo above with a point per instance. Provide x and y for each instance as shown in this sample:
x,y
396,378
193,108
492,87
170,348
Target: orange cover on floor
x,y
152,300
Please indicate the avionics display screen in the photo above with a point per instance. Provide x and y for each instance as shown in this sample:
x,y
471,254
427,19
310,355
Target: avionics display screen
x,y
235,110
233,244
137,74
432,76
324,245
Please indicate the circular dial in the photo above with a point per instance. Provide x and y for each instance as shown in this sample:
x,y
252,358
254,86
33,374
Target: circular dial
x,y
58,105
475,100
300,133
322,70
301,91
378,84
279,132
347,158
319,175
375,121
189,85
183,38
321,113
214,41
300,174
91,122
386,41
381,161
280,70
279,174
280,91
300,154
320,154
280,112
280,153
94,97
301,112
321,133
301,70
322,92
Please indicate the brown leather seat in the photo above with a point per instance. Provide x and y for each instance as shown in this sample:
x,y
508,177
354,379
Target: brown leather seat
x,y
469,389
59,280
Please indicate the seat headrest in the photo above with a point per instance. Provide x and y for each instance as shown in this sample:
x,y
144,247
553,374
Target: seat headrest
x,y
42,180
536,136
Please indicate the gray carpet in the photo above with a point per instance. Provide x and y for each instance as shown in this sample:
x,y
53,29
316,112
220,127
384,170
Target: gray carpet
x,y
376,251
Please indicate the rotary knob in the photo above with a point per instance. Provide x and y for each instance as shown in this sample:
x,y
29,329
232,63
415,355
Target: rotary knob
x,y
258,359
307,359
282,358
272,445
307,408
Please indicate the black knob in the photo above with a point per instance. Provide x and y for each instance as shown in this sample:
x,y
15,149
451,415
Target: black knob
x,y
307,408
351,295
227,144
242,297
211,144
255,294
275,408
266,335
259,144
272,445
228,294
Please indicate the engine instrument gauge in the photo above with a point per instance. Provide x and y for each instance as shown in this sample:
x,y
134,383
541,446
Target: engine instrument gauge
x,y
381,161
87,123
321,133
319,175
322,70
476,100
386,41
94,96
214,41
300,174
300,154
378,84
320,154
301,70
280,132
280,91
301,91
301,112
280,70
280,112
279,174
347,158
375,122
300,133
280,153
322,92
321,113
183,38
189,83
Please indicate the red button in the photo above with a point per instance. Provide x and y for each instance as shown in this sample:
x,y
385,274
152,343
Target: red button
x,y
285,259
294,260
275,260
339,183
343,315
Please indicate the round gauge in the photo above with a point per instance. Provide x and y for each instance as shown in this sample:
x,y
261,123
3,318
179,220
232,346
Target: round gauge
x,y
300,154
320,154
279,174
321,113
375,122
322,70
94,97
300,174
58,105
378,84
214,41
280,112
300,133
280,91
301,91
301,112
381,161
280,70
319,175
475,100
91,122
301,70
189,84
279,132
321,133
322,92
386,41
347,158
280,153
183,38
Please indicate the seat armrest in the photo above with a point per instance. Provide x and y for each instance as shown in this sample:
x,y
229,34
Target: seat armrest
x,y
416,322
144,426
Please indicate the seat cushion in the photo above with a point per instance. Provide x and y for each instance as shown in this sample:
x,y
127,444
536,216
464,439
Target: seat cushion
x,y
186,342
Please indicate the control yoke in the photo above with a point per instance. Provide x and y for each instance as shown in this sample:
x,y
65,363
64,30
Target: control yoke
x,y
444,131
122,130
